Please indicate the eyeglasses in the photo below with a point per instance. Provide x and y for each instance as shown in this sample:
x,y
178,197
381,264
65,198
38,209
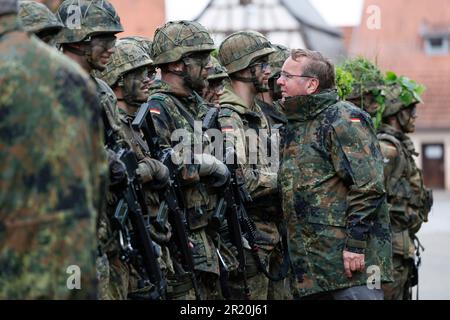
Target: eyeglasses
x,y
264,65
107,43
289,76
201,59
142,74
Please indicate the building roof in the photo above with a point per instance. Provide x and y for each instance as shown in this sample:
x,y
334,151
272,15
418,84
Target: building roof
x,y
399,46
296,24
140,17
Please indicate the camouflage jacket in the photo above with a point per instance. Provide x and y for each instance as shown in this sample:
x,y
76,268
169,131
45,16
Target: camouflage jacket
x,y
51,161
409,200
172,111
332,182
237,121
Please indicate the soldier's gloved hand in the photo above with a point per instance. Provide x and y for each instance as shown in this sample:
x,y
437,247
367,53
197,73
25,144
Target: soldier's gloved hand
x,y
154,172
117,170
211,167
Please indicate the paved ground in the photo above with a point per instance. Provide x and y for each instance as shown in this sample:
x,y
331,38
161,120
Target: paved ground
x,y
434,277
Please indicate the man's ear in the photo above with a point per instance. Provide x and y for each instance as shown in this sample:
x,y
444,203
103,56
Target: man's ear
x,y
313,86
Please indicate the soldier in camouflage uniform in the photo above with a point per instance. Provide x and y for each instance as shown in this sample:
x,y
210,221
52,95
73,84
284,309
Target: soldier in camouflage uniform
x,y
368,85
273,109
89,38
332,181
216,81
127,73
245,55
181,49
271,98
51,160
410,201
38,19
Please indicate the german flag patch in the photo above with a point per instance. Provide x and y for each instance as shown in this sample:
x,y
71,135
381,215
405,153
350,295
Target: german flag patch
x,y
227,129
355,120
155,111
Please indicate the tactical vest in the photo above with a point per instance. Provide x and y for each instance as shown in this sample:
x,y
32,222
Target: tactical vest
x,y
200,203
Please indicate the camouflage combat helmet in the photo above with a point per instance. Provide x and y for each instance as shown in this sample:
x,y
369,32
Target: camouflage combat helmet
x,y
36,17
218,71
144,43
177,38
277,59
239,49
368,79
127,57
86,18
8,6
401,93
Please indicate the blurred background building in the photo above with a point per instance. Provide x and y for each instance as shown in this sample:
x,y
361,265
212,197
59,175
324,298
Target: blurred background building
x,y
293,23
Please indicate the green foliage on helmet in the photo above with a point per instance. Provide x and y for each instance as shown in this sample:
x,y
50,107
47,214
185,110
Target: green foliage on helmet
x,y
402,93
85,18
277,59
217,71
176,39
411,90
128,56
36,17
241,48
368,79
344,82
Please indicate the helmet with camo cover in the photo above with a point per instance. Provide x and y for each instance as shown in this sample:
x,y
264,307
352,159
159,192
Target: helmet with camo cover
x,y
86,18
277,59
401,93
241,48
143,42
128,56
8,6
217,71
176,39
36,17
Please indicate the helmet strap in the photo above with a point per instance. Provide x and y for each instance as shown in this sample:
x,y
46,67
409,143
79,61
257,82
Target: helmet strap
x,y
254,80
78,52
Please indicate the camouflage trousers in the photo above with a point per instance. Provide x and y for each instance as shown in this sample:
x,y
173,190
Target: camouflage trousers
x,y
113,278
257,282
278,290
399,289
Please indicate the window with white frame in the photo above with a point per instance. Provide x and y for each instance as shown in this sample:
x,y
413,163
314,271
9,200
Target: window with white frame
x,y
437,45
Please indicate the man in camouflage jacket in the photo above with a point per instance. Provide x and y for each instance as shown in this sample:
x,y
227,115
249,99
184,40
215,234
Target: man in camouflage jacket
x,y
332,182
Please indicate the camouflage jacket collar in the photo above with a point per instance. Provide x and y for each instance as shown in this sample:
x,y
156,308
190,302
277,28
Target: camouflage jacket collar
x,y
189,101
302,108
230,98
9,23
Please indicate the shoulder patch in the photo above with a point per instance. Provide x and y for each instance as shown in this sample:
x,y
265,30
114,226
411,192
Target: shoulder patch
x,y
158,97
